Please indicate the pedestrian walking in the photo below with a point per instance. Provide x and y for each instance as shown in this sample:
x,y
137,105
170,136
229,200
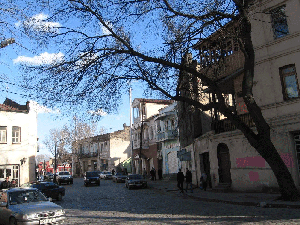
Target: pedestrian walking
x,y
113,172
203,180
188,180
159,173
180,180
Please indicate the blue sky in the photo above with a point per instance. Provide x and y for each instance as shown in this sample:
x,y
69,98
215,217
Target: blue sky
x,y
22,52
10,78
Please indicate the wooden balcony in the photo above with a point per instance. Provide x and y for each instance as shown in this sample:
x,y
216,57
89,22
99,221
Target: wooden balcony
x,y
226,125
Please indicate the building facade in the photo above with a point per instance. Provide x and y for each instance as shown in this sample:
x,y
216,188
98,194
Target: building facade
x,y
101,152
168,139
18,141
144,134
224,153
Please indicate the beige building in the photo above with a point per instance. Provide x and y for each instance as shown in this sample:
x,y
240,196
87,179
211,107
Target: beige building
x,y
18,141
224,153
101,152
144,133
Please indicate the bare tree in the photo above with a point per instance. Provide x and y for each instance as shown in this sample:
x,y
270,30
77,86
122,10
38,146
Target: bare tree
x,y
107,44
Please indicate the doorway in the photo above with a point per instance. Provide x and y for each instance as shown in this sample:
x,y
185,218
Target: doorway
x,y
205,166
224,163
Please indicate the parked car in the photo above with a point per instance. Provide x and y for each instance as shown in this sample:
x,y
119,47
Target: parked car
x,y
64,177
119,177
135,180
49,189
28,206
91,178
49,176
106,175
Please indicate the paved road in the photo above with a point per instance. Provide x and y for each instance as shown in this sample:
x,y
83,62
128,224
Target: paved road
x,y
112,203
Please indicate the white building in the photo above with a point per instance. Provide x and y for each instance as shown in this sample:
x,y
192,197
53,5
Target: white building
x,y
18,141
167,136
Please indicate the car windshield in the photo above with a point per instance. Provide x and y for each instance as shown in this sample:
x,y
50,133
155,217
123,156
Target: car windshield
x,y
135,177
26,196
64,173
92,174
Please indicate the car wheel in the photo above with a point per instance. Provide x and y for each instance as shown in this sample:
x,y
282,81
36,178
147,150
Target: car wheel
x,y
129,187
71,182
99,184
12,221
59,197
59,183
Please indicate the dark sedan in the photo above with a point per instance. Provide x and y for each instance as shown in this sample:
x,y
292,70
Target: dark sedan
x,y
49,189
135,180
119,177
91,178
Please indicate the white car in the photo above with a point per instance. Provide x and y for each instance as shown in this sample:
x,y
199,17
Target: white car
x,y
28,206
64,177
106,175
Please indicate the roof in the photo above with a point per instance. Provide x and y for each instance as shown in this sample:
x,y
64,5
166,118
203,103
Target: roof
x,y
11,106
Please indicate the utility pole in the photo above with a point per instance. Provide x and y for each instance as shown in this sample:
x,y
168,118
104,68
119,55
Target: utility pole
x,y
141,138
54,178
131,144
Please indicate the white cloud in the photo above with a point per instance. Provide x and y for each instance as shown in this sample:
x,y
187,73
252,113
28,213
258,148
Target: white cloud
x,y
98,112
41,109
105,31
86,59
38,22
42,59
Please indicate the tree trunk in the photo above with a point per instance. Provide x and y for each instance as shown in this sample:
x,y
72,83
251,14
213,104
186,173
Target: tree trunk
x,y
285,181
262,141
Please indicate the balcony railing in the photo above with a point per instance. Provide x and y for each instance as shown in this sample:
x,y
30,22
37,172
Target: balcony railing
x,y
226,125
167,135
136,144
88,154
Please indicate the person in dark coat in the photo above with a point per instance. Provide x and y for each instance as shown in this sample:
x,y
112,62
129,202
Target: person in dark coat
x,y
203,180
180,180
159,173
188,180
6,184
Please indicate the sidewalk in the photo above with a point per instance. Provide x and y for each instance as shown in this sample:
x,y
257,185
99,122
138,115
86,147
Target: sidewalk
x,y
236,198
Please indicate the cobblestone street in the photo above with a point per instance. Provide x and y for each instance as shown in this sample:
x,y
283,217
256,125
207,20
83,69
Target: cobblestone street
x,y
112,203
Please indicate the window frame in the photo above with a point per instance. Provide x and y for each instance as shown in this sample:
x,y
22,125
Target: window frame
x,y
277,21
14,138
283,83
3,142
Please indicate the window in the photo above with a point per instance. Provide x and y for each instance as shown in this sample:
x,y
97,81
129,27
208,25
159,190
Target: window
x,y
290,88
3,133
16,134
279,22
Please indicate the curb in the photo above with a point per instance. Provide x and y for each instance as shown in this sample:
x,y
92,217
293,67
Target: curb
x,y
256,204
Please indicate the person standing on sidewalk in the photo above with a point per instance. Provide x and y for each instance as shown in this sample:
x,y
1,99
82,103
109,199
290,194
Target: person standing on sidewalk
x,y
188,180
203,179
144,173
180,179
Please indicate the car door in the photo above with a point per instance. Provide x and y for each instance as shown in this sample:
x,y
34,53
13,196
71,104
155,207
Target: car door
x,y
53,190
